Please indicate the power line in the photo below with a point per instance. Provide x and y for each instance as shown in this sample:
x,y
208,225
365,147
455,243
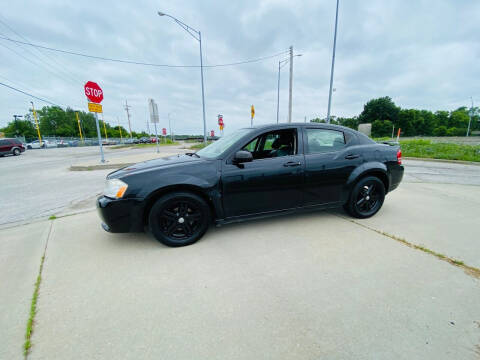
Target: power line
x,y
139,62
57,69
39,62
28,94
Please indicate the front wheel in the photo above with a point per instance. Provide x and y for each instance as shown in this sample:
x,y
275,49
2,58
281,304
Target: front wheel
x,y
366,197
16,152
179,218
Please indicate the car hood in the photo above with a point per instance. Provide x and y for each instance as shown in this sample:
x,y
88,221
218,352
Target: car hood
x,y
175,160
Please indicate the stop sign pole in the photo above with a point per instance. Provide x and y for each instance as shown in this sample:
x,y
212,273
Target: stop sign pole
x,y
94,94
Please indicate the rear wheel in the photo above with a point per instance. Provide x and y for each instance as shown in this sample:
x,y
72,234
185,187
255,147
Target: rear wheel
x,y
366,197
179,218
16,152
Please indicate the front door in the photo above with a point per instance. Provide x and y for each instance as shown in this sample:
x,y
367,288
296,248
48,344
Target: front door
x,y
271,182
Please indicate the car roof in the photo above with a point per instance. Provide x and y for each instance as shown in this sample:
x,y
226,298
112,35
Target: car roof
x,y
301,124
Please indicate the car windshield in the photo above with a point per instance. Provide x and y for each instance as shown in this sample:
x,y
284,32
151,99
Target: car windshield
x,y
218,147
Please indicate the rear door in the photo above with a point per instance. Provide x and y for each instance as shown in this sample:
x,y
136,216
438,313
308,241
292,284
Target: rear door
x,y
5,146
329,161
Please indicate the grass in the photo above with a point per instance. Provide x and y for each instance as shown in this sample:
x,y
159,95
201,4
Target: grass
x,y
33,311
200,145
421,148
52,217
447,151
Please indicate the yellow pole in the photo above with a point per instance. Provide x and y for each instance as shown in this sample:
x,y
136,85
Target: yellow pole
x,y
79,127
104,128
36,123
120,128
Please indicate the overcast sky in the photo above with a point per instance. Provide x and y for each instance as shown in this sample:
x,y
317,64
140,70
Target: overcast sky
x,y
423,54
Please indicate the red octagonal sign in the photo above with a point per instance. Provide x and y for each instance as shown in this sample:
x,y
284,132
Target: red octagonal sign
x,y
93,92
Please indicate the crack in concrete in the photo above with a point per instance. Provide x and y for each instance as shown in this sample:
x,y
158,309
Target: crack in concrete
x,y
469,270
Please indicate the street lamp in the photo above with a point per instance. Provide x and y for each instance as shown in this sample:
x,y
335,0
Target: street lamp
x,y
280,65
197,35
333,65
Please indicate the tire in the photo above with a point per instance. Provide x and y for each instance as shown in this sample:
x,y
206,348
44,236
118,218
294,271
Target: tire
x,y
29,147
366,198
16,152
179,219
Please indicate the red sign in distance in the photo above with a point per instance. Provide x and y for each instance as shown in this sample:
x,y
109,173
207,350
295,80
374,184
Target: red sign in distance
x,y
164,131
212,133
93,92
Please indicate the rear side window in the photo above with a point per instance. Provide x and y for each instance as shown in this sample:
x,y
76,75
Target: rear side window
x,y
323,140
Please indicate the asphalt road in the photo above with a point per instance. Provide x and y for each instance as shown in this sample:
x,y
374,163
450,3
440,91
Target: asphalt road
x,y
38,183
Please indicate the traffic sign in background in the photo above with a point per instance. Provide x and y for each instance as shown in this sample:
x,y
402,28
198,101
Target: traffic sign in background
x,y
93,92
96,108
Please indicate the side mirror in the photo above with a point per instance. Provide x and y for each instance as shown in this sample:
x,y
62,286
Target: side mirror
x,y
242,156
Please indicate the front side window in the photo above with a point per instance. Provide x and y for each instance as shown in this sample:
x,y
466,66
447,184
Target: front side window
x,y
4,142
323,140
273,144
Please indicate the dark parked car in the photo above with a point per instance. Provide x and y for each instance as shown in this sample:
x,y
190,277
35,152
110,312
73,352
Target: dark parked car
x,y
11,146
251,173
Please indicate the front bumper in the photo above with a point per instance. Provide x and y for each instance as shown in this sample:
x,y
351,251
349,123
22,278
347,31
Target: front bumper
x,y
120,215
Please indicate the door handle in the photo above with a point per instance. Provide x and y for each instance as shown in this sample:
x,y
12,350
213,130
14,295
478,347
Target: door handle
x,y
352,156
292,163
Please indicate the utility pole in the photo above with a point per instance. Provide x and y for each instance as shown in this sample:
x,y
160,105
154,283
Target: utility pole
x,y
290,88
120,129
170,127
333,65
127,107
78,121
471,114
36,124
104,128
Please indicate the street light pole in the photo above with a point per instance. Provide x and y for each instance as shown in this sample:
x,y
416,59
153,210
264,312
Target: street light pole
x,y
471,114
333,65
278,90
197,35
290,87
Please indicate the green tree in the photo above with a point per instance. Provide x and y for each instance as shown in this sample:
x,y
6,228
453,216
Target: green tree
x,y
381,128
19,128
382,108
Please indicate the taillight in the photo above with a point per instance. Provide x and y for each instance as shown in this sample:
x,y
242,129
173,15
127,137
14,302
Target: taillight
x,y
399,156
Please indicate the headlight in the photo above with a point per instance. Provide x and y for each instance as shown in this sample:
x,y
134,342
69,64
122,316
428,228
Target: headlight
x,y
115,188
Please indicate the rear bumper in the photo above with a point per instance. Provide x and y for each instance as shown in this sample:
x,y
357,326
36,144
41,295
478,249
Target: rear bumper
x,y
396,176
120,215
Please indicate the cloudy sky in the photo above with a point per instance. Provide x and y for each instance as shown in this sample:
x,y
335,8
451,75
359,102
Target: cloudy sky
x,y
424,54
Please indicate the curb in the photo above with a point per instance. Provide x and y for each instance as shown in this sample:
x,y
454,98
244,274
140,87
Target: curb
x,y
444,161
99,167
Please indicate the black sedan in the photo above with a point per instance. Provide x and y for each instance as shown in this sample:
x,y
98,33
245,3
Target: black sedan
x,y
251,173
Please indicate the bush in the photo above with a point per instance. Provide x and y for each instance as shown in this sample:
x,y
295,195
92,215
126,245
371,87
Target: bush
x,y
440,131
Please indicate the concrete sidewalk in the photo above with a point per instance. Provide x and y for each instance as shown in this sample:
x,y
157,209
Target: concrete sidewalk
x,y
303,287
21,250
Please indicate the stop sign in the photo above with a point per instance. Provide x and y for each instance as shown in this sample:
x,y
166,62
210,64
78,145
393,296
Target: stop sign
x,y
164,131
93,92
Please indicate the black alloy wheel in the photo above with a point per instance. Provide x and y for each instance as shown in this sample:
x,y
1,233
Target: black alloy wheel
x,y
179,219
366,198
